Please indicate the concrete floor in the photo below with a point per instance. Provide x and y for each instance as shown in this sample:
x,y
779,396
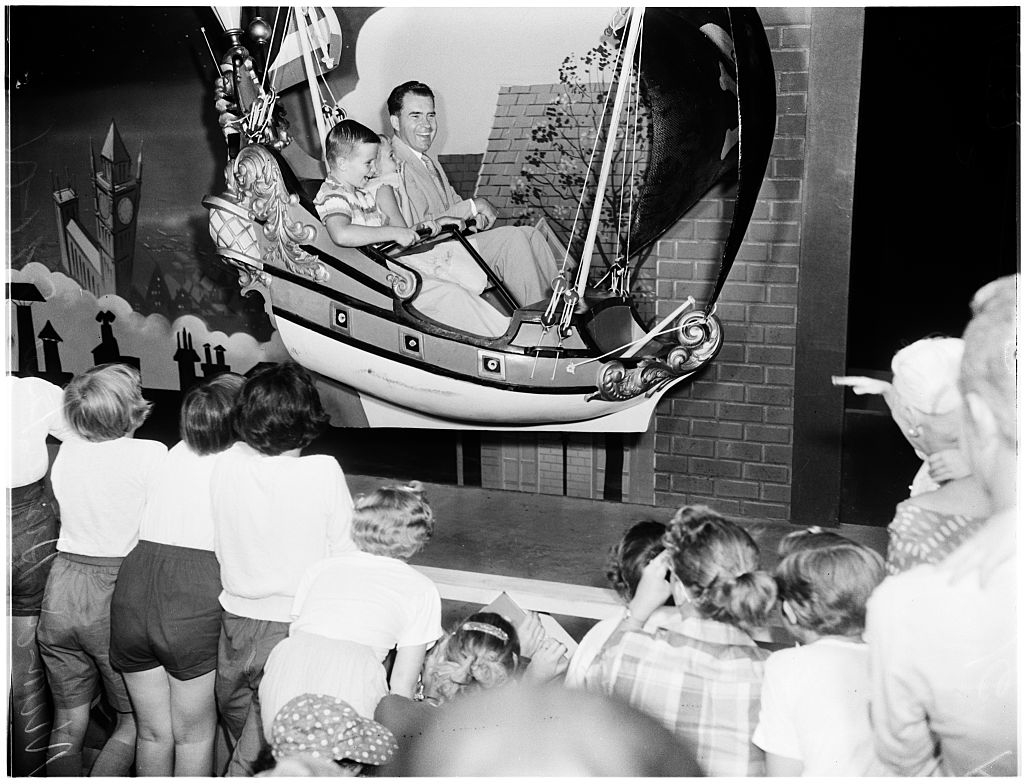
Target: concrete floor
x,y
550,537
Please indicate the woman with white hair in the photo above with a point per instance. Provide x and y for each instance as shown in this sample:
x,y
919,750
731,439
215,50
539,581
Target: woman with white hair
x,y
946,504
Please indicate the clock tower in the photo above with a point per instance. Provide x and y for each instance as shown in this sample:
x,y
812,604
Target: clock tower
x,y
117,204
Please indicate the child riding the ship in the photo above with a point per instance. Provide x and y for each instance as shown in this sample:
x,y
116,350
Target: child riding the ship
x,y
353,218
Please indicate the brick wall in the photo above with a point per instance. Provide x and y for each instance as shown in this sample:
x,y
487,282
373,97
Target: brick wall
x,y
462,171
726,439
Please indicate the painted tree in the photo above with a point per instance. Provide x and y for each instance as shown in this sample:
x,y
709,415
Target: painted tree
x,y
554,183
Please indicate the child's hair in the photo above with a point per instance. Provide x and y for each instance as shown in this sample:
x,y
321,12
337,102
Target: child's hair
x,y
279,410
641,542
925,374
105,402
344,137
717,562
827,588
480,654
808,539
207,412
393,521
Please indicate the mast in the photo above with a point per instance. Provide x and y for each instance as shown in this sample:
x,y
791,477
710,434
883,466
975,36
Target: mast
x,y
302,20
583,273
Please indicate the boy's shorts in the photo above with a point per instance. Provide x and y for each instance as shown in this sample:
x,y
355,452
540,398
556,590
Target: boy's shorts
x,y
74,631
34,530
166,611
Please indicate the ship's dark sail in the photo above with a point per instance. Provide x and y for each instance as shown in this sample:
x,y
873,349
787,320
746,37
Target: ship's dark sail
x,y
710,115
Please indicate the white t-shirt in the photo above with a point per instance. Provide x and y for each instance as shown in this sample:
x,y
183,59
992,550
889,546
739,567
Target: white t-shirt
x,y
101,488
593,641
814,708
274,517
178,507
37,411
374,600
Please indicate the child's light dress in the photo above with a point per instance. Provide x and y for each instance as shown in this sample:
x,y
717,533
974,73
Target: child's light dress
x,y
452,281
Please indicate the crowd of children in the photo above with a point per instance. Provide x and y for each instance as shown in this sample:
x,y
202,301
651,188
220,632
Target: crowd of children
x,y
233,581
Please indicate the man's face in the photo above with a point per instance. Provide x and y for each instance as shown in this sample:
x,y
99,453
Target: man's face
x,y
416,123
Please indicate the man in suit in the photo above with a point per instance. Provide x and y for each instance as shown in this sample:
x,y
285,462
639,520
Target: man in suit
x,y
518,254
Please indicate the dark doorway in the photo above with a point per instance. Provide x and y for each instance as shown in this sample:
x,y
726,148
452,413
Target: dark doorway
x,y
935,209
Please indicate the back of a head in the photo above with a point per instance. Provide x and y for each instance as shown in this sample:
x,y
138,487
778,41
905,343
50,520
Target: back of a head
x,y
395,521
989,367
105,402
827,588
925,373
522,731
641,542
808,539
206,423
718,563
279,410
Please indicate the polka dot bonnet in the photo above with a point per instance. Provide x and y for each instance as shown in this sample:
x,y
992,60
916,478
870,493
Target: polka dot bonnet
x,y
329,728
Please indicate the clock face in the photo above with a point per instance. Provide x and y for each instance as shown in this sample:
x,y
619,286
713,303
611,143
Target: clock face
x,y
104,207
125,210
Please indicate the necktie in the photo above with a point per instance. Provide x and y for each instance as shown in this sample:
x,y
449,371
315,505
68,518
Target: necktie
x,y
436,176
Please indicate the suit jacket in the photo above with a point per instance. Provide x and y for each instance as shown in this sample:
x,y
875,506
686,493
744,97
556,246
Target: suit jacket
x,y
422,200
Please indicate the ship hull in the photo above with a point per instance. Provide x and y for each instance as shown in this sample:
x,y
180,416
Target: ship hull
x,y
395,393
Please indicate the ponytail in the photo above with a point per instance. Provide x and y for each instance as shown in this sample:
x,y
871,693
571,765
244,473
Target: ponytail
x,y
743,601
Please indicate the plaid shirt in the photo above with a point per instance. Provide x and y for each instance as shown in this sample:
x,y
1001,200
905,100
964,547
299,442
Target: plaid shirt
x,y
701,679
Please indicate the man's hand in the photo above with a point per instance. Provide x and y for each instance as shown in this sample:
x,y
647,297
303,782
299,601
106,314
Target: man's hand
x,y
486,215
448,220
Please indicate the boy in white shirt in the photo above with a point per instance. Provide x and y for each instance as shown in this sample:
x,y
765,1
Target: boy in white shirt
x,y
100,479
275,514
814,699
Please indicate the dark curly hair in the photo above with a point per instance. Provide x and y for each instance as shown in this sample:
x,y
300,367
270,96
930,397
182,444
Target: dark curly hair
x,y
279,410
627,559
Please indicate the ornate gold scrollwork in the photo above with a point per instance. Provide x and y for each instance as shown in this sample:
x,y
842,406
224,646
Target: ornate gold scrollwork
x,y
700,337
403,282
257,184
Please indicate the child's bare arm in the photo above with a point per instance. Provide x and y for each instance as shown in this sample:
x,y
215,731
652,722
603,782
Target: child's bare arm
x,y
343,232
388,204
406,671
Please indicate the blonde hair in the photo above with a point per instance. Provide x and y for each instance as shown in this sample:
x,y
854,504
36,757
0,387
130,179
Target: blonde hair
x,y
925,373
480,654
989,367
717,562
105,402
828,587
395,521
